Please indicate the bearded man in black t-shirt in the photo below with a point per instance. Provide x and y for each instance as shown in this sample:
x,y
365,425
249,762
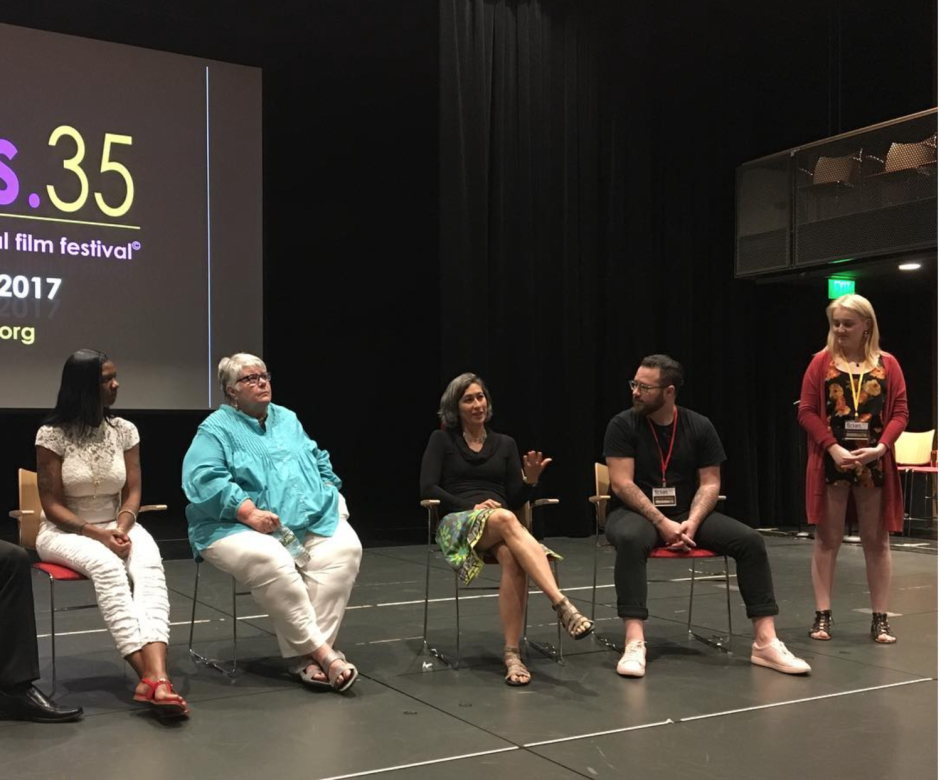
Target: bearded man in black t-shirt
x,y
663,462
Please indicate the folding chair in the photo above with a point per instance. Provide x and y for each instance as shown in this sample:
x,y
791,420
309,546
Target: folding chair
x,y
600,502
525,517
205,660
28,518
913,455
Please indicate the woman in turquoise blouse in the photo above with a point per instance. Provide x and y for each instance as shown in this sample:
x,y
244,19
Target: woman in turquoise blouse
x,y
265,506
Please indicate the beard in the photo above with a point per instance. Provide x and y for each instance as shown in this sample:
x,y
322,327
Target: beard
x,y
648,408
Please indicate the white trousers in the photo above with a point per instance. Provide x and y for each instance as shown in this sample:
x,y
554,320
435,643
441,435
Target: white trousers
x,y
306,605
132,593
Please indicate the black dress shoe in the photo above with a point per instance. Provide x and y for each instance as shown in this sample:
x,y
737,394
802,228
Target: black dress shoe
x,y
32,704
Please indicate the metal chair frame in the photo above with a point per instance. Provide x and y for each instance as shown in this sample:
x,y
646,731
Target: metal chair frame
x,y
27,518
545,648
600,502
198,658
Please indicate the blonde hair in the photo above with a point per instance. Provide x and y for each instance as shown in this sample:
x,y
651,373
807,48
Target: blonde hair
x,y
862,307
230,367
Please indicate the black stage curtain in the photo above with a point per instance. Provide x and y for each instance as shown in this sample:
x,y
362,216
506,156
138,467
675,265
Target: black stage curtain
x,y
587,157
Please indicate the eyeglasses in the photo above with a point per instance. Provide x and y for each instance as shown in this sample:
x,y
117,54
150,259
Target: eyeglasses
x,y
254,379
635,385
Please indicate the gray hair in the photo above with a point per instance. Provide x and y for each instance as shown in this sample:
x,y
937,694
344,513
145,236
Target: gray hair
x,y
231,367
448,411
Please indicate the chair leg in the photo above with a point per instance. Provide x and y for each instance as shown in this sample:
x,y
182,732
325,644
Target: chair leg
x,y
235,628
52,624
193,613
457,619
719,643
426,648
558,624
204,660
728,598
424,631
544,648
594,574
596,635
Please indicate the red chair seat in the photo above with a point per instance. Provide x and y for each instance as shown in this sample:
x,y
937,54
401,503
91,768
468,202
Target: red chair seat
x,y
59,573
919,469
696,552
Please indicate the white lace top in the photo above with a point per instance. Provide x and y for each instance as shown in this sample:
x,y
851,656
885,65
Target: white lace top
x,y
93,472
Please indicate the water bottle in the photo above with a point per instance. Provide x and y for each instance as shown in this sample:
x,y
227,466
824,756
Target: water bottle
x,y
291,543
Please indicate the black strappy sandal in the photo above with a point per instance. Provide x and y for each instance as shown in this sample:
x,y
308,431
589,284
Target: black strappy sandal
x,y
823,623
880,627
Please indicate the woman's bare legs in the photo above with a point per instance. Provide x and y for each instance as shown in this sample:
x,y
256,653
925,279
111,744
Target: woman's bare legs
x,y
502,526
827,540
878,554
513,595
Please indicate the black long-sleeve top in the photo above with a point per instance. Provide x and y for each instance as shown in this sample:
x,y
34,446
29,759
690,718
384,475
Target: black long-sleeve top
x,y
461,478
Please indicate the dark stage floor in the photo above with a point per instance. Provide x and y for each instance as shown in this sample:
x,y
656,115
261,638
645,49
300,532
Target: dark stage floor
x,y
866,711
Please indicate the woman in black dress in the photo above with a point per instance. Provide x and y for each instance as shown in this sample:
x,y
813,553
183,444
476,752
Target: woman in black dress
x,y
477,476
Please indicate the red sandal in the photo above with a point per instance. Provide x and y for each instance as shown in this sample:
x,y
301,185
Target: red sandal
x,y
172,708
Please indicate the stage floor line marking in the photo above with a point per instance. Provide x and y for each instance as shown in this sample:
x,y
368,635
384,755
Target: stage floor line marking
x,y
422,763
667,722
808,699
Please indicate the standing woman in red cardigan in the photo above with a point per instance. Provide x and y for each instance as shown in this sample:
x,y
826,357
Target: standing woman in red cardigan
x,y
853,406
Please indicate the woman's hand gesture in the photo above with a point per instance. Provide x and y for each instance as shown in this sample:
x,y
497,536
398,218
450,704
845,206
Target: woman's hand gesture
x,y
533,465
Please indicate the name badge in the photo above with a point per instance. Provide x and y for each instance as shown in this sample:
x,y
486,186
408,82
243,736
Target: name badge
x,y
664,496
856,431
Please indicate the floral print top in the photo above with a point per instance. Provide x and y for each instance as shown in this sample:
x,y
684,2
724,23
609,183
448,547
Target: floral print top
x,y
841,409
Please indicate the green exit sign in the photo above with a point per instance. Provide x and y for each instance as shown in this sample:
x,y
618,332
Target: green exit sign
x,y
837,287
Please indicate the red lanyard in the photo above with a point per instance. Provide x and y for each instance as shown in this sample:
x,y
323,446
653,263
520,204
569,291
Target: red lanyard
x,y
664,462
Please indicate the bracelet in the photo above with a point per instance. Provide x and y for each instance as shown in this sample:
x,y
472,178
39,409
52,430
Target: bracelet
x,y
528,484
81,528
127,512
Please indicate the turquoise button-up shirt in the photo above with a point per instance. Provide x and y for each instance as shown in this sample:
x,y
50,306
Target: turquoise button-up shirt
x,y
278,467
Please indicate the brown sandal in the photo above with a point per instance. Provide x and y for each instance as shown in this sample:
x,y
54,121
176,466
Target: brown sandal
x,y
573,621
515,667
823,624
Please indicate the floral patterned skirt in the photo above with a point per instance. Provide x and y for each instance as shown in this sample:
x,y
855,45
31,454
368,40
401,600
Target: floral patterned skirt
x,y
457,536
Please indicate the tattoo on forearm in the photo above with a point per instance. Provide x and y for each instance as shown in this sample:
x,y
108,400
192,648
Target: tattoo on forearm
x,y
703,502
636,500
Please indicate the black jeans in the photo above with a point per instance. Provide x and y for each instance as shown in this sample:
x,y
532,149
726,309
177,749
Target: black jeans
x,y
19,660
634,537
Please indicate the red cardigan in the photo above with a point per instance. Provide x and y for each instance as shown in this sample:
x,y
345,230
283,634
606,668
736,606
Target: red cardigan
x,y
812,415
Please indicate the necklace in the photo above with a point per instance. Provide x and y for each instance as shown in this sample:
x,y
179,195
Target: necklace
x,y
475,439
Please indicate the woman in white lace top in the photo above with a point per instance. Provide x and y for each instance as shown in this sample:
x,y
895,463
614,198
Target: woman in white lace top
x,y
88,462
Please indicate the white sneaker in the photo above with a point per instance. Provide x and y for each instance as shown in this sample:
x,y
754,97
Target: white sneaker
x,y
776,656
634,661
